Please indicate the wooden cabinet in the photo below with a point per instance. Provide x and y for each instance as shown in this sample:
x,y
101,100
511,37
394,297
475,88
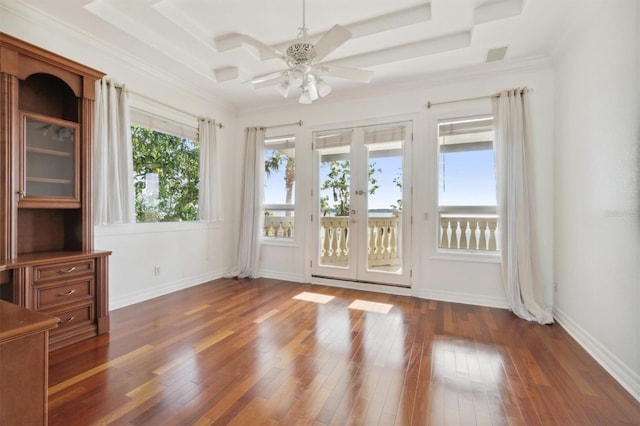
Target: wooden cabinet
x,y
47,257
23,365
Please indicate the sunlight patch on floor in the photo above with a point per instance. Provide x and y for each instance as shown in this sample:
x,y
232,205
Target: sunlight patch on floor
x,y
363,305
314,297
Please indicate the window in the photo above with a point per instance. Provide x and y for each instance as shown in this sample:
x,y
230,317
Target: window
x,y
279,187
467,185
166,162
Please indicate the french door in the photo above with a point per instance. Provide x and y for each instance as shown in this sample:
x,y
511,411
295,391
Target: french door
x,y
362,204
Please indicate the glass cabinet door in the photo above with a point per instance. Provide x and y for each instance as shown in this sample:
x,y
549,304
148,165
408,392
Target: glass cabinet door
x,y
50,151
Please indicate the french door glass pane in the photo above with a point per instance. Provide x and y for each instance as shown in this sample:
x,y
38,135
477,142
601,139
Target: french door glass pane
x,y
335,191
384,205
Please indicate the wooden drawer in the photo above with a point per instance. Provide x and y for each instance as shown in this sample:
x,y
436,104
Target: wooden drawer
x,y
76,316
63,270
69,291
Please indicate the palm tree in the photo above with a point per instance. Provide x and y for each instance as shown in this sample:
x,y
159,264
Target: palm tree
x,y
273,164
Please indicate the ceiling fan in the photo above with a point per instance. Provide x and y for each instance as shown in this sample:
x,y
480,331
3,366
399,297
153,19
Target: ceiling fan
x,y
305,68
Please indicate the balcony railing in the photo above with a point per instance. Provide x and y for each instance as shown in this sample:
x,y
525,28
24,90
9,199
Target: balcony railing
x,y
459,229
383,235
278,226
469,229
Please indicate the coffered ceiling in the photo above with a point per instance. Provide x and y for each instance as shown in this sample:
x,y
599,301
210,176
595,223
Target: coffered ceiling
x,y
212,43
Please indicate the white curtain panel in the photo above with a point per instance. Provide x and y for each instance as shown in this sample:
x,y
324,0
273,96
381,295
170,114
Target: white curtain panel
x,y
209,208
113,161
519,248
252,218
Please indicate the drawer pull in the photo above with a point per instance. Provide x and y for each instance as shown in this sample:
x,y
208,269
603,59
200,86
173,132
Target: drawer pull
x,y
69,319
67,293
66,271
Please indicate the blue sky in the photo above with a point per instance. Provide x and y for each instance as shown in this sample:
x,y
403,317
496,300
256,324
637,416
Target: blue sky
x,y
468,180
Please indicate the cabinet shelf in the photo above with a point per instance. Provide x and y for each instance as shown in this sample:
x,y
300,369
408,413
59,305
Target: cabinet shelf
x,y
50,180
49,151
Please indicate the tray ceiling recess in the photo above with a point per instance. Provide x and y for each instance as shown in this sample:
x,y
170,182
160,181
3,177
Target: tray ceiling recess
x,y
303,58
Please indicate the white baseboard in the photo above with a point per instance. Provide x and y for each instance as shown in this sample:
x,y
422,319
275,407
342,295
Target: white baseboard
x,y
620,371
444,296
277,275
466,298
170,287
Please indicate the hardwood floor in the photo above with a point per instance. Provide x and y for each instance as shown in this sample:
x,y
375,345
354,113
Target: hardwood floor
x,y
248,353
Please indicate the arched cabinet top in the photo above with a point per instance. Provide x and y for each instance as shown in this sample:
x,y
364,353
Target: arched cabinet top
x,y
22,60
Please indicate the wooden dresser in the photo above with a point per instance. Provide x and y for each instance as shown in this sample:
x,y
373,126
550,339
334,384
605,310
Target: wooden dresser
x,y
47,258
24,361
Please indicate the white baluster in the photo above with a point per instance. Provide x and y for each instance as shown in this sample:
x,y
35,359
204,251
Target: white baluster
x,y
339,241
378,241
487,235
496,234
458,234
375,241
477,235
394,239
441,233
449,232
467,234
346,239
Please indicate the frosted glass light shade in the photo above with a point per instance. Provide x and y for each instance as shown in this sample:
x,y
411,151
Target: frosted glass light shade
x,y
305,98
283,88
323,88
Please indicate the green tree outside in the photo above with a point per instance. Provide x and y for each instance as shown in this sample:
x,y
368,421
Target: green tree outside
x,y
176,162
338,181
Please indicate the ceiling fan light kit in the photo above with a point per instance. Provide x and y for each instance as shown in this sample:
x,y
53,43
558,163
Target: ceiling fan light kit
x,y
304,69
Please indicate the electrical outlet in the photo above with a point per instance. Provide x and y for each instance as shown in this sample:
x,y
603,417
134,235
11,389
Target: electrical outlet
x,y
156,270
555,287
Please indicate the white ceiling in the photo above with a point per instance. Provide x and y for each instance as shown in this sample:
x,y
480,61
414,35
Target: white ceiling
x,y
396,39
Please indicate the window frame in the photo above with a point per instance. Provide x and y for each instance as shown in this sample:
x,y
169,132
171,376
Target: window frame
x,y
287,140
161,119
482,212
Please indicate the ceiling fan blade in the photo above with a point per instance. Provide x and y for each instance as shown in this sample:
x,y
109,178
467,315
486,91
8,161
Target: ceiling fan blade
x,y
333,39
268,80
362,76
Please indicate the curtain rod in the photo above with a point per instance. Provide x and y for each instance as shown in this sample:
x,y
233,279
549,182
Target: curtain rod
x,y
495,95
297,123
121,86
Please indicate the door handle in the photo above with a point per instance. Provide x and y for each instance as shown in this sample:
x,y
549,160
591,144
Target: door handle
x,y
353,211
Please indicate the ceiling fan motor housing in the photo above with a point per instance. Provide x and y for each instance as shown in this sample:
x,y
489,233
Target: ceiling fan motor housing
x,y
299,53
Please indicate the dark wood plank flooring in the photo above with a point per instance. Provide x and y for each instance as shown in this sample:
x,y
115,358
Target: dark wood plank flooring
x,y
245,352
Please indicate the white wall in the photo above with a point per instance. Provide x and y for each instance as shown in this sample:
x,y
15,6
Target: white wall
x,y
187,253
434,276
597,168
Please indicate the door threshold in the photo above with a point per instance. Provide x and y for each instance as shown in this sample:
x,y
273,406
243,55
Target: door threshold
x,y
377,287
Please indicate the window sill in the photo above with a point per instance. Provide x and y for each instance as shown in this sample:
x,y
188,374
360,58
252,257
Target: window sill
x,y
467,256
278,242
